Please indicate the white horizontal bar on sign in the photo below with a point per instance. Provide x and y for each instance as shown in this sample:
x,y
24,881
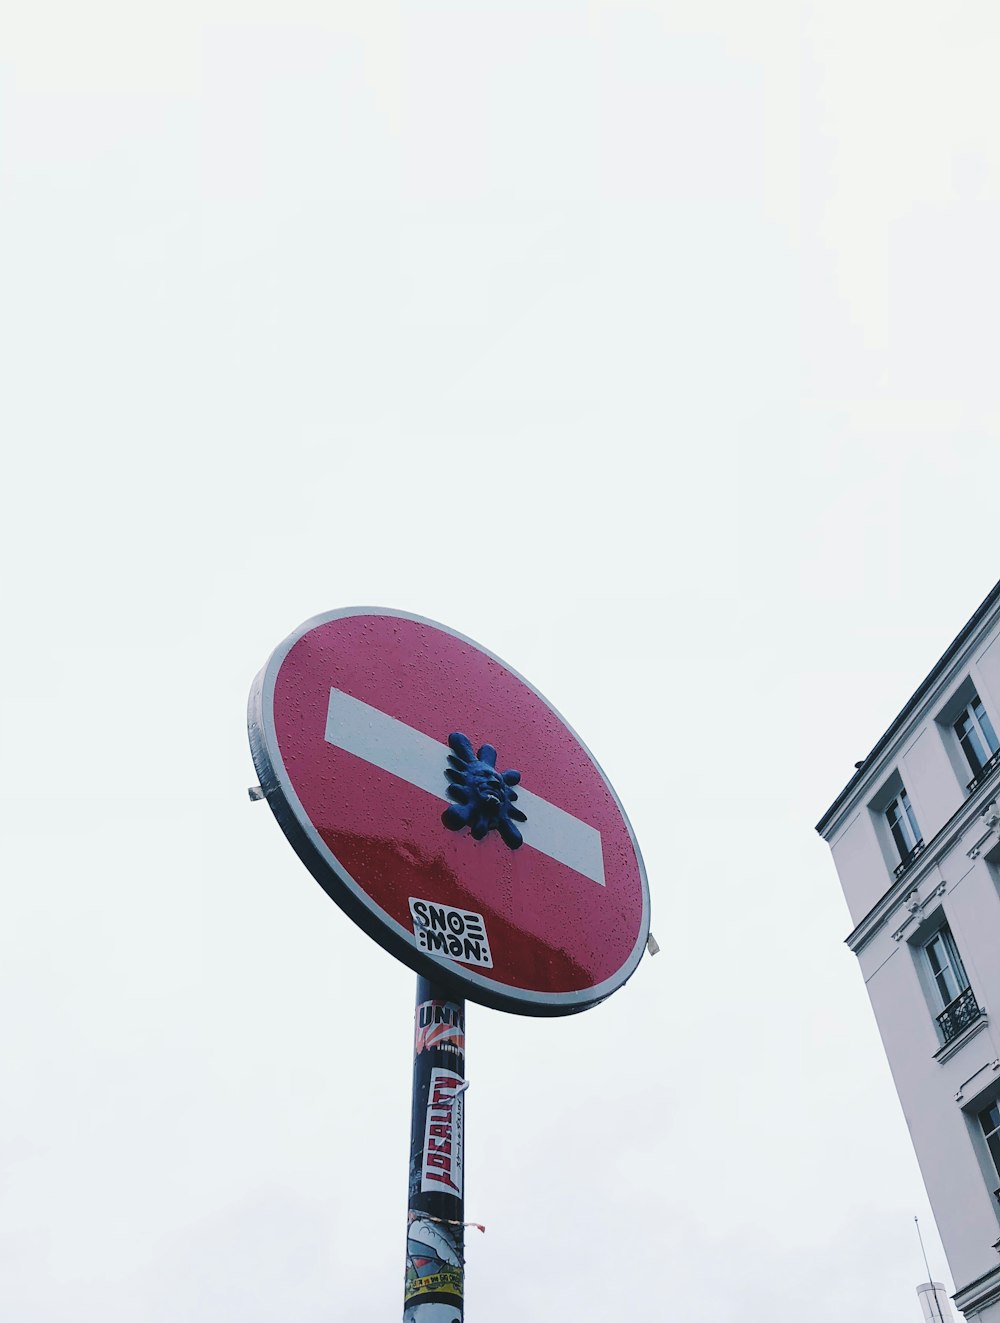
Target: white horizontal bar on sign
x,y
558,834
416,758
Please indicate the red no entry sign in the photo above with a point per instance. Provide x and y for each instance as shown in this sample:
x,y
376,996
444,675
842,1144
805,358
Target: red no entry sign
x,y
449,809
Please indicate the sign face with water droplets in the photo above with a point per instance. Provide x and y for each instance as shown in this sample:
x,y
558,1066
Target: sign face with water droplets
x,y
450,810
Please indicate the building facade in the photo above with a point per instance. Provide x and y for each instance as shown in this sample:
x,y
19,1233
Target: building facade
x,y
915,837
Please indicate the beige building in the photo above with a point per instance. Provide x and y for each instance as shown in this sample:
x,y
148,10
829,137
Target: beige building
x,y
915,836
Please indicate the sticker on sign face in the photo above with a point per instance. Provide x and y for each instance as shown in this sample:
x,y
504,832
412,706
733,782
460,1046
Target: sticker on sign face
x,y
450,810
459,934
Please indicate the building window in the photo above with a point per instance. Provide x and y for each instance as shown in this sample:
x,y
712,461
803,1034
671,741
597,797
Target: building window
x,y
989,1119
959,1007
978,740
905,832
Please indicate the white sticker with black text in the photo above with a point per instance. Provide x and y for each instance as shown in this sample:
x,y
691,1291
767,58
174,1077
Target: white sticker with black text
x,y
445,930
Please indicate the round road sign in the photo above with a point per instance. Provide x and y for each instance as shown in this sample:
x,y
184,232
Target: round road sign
x,y
449,809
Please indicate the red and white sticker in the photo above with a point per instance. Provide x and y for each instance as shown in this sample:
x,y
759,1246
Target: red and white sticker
x,y
438,1025
442,1164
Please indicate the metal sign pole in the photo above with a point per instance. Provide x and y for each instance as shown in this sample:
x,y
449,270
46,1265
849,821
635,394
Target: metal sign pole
x,y
435,1232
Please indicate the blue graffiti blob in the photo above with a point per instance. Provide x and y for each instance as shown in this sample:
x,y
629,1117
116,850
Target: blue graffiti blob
x,y
484,800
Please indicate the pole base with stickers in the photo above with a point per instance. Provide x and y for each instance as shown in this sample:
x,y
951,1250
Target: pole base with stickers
x,y
451,811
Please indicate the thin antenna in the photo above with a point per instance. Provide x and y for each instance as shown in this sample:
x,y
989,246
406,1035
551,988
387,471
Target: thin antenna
x,y
930,1279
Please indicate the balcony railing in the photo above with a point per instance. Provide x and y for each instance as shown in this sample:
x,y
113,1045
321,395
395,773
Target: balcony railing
x,y
986,770
958,1015
908,859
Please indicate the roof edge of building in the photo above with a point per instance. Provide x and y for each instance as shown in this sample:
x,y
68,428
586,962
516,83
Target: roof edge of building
x,y
953,647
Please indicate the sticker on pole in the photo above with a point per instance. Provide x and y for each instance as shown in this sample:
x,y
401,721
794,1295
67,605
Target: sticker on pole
x,y
443,1130
450,810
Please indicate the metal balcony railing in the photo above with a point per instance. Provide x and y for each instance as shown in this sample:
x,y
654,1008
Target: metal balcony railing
x,y
986,770
958,1015
908,859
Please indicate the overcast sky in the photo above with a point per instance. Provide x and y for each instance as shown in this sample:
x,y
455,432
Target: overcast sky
x,y
652,345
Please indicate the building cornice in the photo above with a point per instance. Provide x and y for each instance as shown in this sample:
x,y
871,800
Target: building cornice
x,y
983,1291
982,802
905,892
945,661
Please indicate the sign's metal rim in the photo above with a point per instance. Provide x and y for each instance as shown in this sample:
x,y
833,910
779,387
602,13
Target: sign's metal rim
x,y
341,887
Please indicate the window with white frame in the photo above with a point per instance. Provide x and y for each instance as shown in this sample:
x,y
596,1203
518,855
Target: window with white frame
x,y
946,968
976,736
956,1005
989,1120
903,827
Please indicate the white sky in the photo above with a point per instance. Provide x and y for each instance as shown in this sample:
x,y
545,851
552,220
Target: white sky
x,y
652,345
